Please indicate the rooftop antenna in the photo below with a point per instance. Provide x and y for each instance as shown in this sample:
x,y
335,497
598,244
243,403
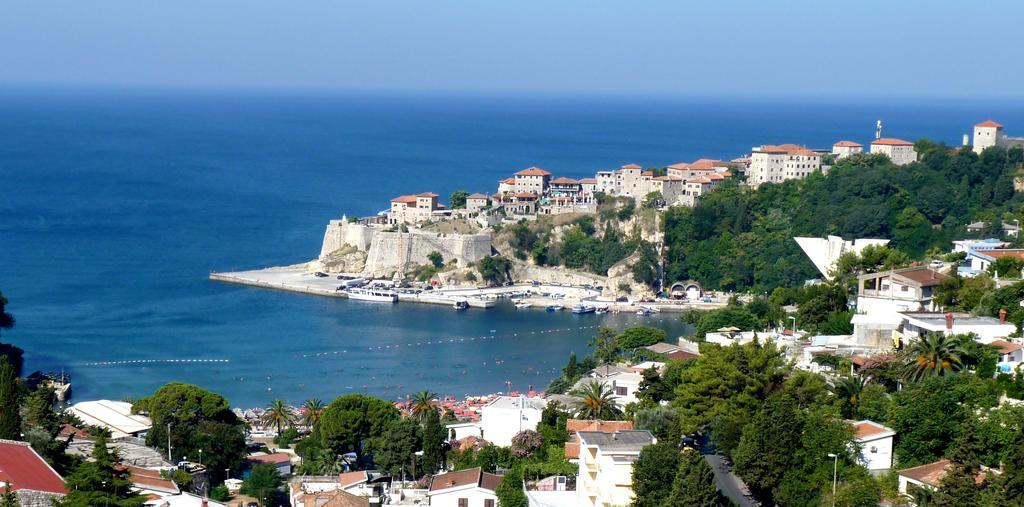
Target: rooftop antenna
x,y
878,129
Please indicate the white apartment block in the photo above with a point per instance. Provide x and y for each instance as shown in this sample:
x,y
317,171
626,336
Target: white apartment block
x,y
605,475
502,418
778,163
989,133
843,149
899,151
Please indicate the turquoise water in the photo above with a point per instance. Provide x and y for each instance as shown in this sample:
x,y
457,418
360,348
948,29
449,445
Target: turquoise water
x,y
116,205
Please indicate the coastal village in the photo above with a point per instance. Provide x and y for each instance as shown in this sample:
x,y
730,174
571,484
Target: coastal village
x,y
582,441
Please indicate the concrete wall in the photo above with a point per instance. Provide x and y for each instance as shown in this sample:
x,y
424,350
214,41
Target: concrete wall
x,y
388,252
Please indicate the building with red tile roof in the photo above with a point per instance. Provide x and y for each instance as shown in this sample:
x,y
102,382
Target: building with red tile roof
x,y
899,151
28,474
843,149
473,485
773,163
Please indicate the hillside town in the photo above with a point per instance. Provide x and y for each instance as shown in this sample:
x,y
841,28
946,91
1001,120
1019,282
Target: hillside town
x,y
593,437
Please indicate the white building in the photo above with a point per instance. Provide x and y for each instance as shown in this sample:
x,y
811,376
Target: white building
x,y
413,209
900,152
369,485
623,380
966,245
533,180
1011,355
464,488
605,475
502,418
882,296
843,149
980,260
989,133
777,163
824,252
115,416
876,444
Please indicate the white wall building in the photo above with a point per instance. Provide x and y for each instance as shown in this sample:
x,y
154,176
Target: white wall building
x,y
824,252
843,149
605,475
987,329
899,151
876,444
115,416
533,180
464,488
989,133
777,163
502,418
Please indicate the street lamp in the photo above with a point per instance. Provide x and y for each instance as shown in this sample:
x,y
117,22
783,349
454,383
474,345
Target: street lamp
x,y
200,456
835,475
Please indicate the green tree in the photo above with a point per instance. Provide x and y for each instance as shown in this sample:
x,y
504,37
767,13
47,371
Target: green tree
x,y
220,494
395,450
640,336
662,422
934,354
1011,483
694,483
10,396
350,421
494,269
278,414
264,483
436,259
596,401
606,346
653,472
848,391
458,199
510,490
199,419
422,404
959,485
433,440
13,354
100,482
6,319
312,410
765,451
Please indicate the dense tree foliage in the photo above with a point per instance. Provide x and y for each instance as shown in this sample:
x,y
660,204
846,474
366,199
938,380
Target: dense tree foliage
x,y
264,483
100,482
349,422
13,354
10,396
694,483
653,473
740,240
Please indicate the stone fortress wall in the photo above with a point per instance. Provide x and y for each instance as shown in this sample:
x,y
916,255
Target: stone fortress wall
x,y
389,252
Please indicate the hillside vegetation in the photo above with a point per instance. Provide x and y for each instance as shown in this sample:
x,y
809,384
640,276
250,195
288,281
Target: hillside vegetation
x,y
739,239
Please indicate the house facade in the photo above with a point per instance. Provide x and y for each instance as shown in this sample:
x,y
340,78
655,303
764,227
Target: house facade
x,y
875,441
605,476
989,133
505,416
900,152
843,149
778,163
464,488
413,209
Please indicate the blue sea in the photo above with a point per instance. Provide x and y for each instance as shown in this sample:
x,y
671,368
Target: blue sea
x,y
115,205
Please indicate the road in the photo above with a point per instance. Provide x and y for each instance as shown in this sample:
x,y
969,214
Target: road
x,y
728,483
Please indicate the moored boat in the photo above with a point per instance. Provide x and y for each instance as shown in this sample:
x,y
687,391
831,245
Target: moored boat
x,y
582,308
522,304
372,294
555,307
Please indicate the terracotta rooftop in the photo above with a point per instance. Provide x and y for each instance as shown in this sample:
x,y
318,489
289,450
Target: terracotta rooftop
x,y
150,479
574,425
508,181
848,144
406,199
276,458
681,355
792,149
565,181
470,477
477,196
427,194
868,429
352,478
891,141
588,181
533,171
1006,347
930,474
925,276
989,123
526,195
336,498
22,468
1016,253
631,166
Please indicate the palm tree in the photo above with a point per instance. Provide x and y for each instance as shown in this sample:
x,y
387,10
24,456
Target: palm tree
x,y
933,355
848,390
597,401
278,413
312,409
421,404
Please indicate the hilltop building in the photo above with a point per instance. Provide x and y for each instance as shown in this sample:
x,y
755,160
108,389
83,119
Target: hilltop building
x,y
533,180
778,163
989,133
899,151
843,149
413,209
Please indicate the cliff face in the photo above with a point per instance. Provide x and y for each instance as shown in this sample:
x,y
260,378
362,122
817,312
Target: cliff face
x,y
355,248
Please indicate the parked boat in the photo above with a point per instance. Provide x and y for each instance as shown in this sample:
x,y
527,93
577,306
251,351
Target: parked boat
x,y
601,310
522,304
581,309
644,311
556,307
372,294
460,304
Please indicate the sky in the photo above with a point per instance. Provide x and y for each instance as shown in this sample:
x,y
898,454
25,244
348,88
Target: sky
x,y
719,47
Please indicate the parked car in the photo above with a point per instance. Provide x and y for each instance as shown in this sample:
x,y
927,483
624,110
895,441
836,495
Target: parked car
x,y
320,274
936,264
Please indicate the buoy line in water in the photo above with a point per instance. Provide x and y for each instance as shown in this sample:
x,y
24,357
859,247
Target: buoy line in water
x,y
448,341
154,361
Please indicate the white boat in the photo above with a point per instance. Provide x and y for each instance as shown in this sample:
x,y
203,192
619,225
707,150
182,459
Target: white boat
x,y
601,310
581,309
555,307
372,294
460,304
522,304
644,311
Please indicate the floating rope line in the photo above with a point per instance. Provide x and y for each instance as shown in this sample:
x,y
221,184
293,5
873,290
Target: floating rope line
x,y
154,361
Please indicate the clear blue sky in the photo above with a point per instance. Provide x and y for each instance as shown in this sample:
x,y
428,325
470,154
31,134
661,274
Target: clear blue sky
x,y
767,47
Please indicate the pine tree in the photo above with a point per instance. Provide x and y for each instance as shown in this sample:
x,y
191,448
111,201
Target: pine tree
x,y
959,486
510,490
100,482
10,419
694,484
433,439
1012,480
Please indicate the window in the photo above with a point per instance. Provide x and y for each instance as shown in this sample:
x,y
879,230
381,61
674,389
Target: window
x,y
463,502
620,391
488,503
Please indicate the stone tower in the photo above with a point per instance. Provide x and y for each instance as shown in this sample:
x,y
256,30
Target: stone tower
x,y
986,134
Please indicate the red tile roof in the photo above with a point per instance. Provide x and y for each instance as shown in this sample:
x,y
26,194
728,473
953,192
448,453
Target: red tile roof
x,y
427,194
848,144
508,181
1016,253
574,425
867,429
150,479
526,195
989,123
1006,347
407,199
631,166
352,478
565,181
22,468
588,181
276,458
469,477
533,171
891,141
477,196
931,474
925,276
681,355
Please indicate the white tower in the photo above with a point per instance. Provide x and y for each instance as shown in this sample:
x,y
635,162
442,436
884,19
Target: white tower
x,y
878,129
986,135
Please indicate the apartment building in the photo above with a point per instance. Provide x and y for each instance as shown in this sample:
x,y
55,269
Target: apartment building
x,y
778,163
899,151
843,149
605,475
413,209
